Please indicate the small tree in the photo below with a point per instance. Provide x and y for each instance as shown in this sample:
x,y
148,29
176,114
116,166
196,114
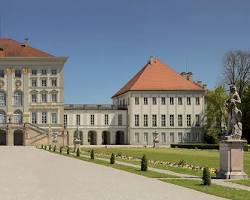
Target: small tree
x,y
54,148
67,149
77,152
92,154
206,178
49,147
61,149
144,163
112,159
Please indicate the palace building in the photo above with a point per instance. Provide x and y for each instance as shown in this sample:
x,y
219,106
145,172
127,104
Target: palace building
x,y
157,104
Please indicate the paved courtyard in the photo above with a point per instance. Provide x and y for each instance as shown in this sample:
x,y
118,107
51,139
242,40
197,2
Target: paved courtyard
x,y
29,173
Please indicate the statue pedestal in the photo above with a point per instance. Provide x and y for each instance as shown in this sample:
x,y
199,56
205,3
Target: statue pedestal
x,y
231,160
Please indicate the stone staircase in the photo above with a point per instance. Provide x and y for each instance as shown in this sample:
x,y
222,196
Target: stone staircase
x,y
35,135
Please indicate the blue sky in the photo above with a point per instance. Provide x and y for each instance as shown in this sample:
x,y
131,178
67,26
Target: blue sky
x,y
108,41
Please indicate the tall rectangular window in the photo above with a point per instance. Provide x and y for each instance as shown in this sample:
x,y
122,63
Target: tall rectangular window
x,y
33,82
106,119
136,100
2,73
92,119
53,82
2,99
163,100
154,120
179,101
180,138
65,117
44,72
18,73
137,120
33,98
171,137
137,138
78,120
188,100
33,117
44,98
54,97
179,120
197,100
154,100
188,137
145,138
44,82
44,117
33,72
171,120
145,99
54,118
197,120
145,120
53,72
188,120
163,120
171,100
119,119
163,138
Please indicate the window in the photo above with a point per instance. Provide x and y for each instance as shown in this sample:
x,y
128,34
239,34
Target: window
x,y
197,100
18,100
44,97
188,137
54,97
106,119
53,82
163,120
197,120
196,137
145,138
33,83
154,120
179,101
92,119
171,99
44,72
171,120
136,100
145,120
44,82
180,138
33,72
163,138
2,73
119,119
188,101
53,71
137,138
78,120
18,73
44,117
145,101
2,99
65,117
34,98
188,120
33,117
54,118
179,120
171,137
163,100
154,100
136,120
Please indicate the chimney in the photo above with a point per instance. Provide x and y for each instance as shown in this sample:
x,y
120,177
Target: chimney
x,y
189,76
25,43
152,60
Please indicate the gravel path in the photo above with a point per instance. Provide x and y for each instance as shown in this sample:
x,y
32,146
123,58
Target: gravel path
x,y
29,173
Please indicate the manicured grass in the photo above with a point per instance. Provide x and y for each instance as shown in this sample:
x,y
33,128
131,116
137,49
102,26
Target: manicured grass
x,y
213,189
242,182
203,158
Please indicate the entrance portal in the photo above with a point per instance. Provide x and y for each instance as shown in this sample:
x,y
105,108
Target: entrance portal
x,y
3,137
119,137
18,137
92,140
105,137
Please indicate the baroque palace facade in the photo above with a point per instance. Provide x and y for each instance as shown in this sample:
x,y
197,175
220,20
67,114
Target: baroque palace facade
x,y
157,104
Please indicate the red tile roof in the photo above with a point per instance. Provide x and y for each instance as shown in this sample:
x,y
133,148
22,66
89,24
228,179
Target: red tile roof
x,y
12,48
156,76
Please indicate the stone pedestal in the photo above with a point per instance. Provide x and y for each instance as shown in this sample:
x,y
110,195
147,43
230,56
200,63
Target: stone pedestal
x,y
231,160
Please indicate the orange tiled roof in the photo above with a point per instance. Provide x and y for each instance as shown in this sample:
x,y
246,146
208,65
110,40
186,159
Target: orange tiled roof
x,y
12,48
158,76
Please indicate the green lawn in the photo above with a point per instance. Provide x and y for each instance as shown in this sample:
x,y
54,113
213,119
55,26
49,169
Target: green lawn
x,y
213,189
242,182
209,158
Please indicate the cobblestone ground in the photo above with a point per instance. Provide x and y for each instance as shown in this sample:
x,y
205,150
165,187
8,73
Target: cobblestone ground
x,y
29,173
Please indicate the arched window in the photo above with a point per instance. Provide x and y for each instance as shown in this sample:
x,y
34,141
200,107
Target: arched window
x,y
2,99
18,117
18,99
2,117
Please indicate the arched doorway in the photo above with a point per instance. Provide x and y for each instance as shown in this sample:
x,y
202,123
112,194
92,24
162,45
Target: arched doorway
x,y
105,137
92,138
18,137
18,117
3,137
119,137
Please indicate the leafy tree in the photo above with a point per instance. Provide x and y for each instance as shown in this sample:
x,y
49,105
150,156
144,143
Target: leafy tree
x,y
245,108
215,114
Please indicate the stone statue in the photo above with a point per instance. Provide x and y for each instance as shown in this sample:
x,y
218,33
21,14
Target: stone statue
x,y
234,125
155,139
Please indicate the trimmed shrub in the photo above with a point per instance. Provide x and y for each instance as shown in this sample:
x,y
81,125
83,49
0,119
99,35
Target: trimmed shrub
x,y
92,154
45,147
61,149
49,147
245,147
54,148
206,178
67,150
77,152
144,163
196,146
41,146
112,159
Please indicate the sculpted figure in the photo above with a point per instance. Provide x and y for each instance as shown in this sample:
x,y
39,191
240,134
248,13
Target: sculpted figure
x,y
234,126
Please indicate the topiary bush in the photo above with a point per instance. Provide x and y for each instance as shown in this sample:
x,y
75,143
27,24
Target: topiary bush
x,y
54,148
92,154
206,178
144,163
61,149
77,152
49,147
45,147
42,146
112,159
67,150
